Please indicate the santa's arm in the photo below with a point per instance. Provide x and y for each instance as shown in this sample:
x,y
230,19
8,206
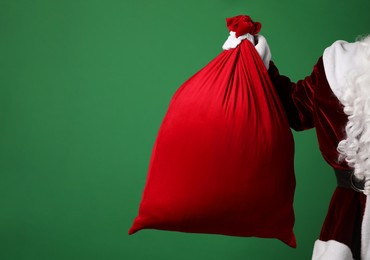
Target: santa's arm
x,y
297,98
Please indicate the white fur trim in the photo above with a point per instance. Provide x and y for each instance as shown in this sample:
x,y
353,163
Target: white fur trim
x,y
331,250
365,232
262,47
340,59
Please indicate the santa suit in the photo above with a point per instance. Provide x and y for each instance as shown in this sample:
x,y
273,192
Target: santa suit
x,y
314,102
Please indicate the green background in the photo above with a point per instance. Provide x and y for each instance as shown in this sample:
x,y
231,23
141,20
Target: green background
x,y
84,86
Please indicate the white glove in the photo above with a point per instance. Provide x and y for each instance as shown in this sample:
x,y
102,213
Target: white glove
x,y
258,41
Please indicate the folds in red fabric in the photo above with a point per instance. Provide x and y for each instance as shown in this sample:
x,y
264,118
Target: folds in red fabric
x,y
222,162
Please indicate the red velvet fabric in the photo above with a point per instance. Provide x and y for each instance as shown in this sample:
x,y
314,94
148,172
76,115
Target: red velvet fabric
x,y
223,159
344,219
311,103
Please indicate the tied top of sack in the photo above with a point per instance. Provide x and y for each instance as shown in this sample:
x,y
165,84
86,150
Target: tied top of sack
x,y
243,24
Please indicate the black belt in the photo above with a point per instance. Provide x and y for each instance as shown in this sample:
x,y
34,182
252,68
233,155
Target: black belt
x,y
346,179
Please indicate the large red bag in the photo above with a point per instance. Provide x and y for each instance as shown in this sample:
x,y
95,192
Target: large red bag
x,y
223,159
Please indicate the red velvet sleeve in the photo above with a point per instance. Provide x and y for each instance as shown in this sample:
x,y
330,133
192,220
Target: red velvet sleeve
x,y
297,98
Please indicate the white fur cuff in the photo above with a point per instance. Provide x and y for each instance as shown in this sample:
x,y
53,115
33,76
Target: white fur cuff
x,y
331,250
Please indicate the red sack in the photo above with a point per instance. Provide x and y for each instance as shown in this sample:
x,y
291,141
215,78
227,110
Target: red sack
x,y
223,159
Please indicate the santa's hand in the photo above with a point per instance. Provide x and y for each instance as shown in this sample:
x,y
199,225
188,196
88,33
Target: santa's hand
x,y
233,41
258,41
